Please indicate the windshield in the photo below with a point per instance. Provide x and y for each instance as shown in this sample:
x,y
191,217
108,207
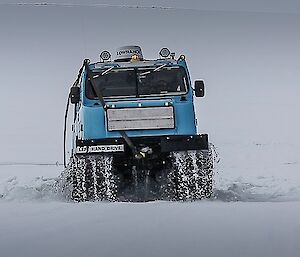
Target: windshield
x,y
138,82
120,82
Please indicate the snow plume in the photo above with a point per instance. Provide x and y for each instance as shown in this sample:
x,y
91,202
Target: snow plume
x,y
255,189
275,179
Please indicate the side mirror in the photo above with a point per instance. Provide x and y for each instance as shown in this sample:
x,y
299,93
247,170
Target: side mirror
x,y
199,88
75,95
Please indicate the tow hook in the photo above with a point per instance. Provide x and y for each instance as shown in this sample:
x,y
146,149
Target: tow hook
x,y
142,153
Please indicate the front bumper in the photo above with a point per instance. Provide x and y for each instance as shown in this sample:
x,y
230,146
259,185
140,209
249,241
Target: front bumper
x,y
158,144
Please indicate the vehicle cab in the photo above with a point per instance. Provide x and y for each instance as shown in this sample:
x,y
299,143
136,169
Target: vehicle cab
x,y
143,97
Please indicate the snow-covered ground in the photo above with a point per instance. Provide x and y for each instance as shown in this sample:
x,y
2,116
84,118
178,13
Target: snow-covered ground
x,y
154,229
35,222
253,213
250,63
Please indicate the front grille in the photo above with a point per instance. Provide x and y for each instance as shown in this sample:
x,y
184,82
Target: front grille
x,y
140,118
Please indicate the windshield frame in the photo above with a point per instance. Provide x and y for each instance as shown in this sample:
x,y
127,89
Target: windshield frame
x,y
136,69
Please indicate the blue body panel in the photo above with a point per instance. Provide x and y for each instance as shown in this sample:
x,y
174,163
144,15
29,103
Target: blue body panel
x,y
92,117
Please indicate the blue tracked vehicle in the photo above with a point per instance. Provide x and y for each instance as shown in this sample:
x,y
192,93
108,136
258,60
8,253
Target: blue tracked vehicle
x,y
134,131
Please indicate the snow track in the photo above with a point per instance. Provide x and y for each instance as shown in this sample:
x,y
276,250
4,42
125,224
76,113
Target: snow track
x,y
264,189
257,189
41,189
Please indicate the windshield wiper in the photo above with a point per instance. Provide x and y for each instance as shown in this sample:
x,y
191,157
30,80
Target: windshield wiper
x,y
103,73
156,69
107,71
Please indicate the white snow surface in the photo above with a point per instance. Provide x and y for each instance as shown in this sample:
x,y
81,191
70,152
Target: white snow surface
x,y
250,63
152,229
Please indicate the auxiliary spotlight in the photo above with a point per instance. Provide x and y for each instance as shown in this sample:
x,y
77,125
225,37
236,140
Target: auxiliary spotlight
x,y
105,55
164,52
